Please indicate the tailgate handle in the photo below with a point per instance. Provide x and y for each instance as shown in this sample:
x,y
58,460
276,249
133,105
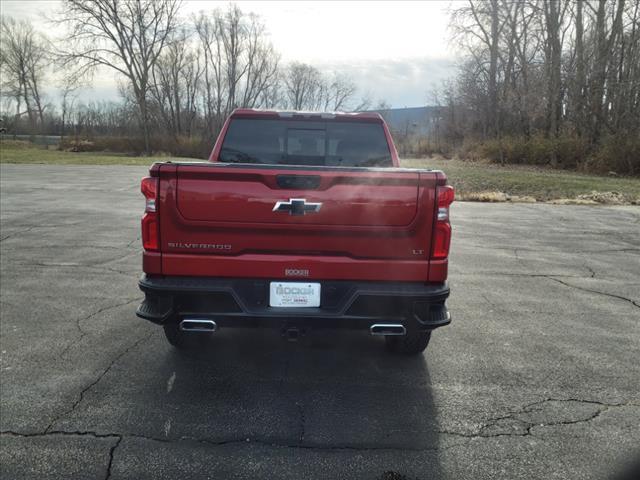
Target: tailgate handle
x,y
298,182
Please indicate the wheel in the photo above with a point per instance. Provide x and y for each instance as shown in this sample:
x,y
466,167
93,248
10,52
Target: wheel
x,y
413,343
175,336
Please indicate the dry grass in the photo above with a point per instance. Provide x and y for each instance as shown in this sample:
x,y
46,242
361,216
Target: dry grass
x,y
474,181
486,182
12,151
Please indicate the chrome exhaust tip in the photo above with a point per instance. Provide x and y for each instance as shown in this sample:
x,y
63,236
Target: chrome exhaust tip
x,y
198,325
388,329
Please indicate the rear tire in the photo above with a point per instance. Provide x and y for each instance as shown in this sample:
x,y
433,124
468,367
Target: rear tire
x,y
413,343
175,336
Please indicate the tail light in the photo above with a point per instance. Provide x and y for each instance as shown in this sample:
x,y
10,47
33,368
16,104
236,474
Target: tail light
x,y
442,227
150,231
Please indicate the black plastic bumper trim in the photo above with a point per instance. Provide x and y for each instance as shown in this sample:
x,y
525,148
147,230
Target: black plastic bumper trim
x,y
244,302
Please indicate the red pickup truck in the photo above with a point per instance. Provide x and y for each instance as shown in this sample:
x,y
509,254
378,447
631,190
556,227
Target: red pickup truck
x,y
298,221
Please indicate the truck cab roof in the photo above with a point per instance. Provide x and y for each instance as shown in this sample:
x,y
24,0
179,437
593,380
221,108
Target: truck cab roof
x,y
341,116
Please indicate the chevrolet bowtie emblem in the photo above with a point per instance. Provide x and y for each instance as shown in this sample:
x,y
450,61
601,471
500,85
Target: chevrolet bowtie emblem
x,y
297,206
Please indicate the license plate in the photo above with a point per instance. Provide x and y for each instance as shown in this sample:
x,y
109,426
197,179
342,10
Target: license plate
x,y
294,294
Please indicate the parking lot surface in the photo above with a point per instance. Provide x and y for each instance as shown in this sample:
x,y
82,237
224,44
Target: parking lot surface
x,y
536,377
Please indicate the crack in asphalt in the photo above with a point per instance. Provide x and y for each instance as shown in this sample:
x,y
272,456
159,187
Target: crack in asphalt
x,y
528,426
218,443
97,265
345,447
533,275
612,295
489,302
17,233
135,274
115,259
99,268
617,250
137,239
118,438
70,433
71,246
553,250
87,317
112,452
28,229
93,383
556,278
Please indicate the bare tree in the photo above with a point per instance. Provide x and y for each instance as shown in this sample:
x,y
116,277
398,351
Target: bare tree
x,y
261,64
68,96
240,66
127,36
579,88
383,105
175,81
207,28
480,22
23,61
605,37
302,85
364,103
554,13
341,91
569,71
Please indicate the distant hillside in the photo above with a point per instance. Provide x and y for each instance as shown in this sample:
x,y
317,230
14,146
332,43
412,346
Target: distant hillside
x,y
411,121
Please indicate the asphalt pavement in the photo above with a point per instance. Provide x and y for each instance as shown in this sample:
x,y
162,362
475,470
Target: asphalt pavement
x,y
537,377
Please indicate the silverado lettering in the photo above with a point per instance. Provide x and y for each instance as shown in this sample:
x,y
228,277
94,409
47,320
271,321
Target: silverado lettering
x,y
319,196
211,246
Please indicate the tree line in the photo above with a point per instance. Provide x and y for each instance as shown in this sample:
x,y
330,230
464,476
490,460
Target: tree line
x,y
552,82
547,81
181,76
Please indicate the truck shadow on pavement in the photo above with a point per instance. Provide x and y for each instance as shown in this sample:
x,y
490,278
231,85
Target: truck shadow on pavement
x,y
325,393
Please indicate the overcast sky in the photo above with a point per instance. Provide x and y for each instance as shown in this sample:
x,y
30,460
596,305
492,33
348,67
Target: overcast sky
x,y
394,51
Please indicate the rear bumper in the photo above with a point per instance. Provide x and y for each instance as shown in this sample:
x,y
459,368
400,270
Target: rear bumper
x,y
245,303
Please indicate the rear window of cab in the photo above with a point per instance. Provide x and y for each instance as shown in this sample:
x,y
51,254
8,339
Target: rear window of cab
x,y
315,143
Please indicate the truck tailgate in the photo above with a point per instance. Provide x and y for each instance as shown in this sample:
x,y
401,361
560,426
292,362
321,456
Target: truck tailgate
x,y
249,195
219,210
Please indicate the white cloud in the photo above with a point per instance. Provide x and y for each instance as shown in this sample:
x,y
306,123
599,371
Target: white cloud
x,y
315,31
395,50
401,82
